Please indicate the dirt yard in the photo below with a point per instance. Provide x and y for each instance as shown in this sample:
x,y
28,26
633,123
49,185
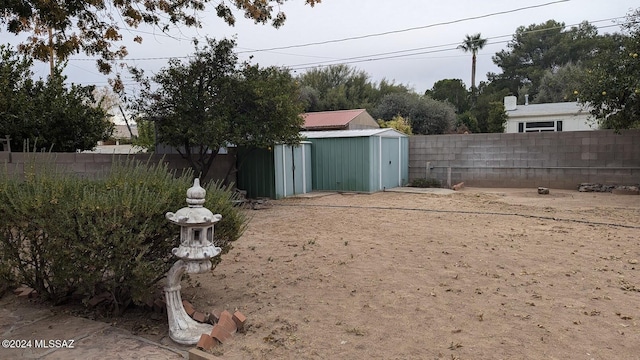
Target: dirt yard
x,y
478,274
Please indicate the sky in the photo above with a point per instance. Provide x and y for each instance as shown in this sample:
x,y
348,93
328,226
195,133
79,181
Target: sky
x,y
410,42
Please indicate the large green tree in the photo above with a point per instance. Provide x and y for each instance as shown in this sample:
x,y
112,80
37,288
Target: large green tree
x,y
453,91
472,44
336,87
211,101
611,85
426,115
340,87
486,116
539,49
560,84
94,27
47,113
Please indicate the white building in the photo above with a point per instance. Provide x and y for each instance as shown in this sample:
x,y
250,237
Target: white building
x,y
564,116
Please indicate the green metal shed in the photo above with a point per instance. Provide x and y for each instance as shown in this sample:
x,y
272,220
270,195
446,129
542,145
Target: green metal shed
x,y
277,172
358,160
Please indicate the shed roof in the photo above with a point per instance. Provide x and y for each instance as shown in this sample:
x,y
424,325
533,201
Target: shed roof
x,y
322,119
386,132
562,108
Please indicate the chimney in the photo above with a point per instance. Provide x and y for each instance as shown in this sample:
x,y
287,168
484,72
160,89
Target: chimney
x,y
510,103
526,99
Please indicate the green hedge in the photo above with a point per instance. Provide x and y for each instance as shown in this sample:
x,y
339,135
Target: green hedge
x,y
64,235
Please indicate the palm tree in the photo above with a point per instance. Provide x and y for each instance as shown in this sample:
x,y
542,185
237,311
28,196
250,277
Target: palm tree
x,y
473,43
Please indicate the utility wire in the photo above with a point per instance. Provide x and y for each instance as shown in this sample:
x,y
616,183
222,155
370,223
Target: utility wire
x,y
361,36
371,57
383,56
412,28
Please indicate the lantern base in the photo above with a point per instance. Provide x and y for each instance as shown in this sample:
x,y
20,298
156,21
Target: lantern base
x,y
190,335
182,328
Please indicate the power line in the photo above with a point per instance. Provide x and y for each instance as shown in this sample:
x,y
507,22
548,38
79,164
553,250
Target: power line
x,y
410,29
357,37
392,54
385,55
338,61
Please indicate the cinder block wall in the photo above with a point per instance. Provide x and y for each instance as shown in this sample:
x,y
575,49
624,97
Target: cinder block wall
x,y
559,160
93,165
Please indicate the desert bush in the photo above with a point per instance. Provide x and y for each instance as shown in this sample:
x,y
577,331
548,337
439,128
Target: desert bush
x,y
64,235
425,183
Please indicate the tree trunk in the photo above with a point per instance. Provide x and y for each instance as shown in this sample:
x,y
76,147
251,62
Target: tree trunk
x,y
473,71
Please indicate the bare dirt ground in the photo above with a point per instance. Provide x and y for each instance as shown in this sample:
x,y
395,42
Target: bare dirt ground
x,y
479,274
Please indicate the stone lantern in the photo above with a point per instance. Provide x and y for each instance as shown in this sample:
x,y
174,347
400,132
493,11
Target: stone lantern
x,y
195,252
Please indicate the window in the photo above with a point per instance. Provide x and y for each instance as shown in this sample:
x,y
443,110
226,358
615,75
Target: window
x,y
540,126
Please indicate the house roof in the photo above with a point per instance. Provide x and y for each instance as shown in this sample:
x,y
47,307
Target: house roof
x,y
386,132
332,119
122,132
551,109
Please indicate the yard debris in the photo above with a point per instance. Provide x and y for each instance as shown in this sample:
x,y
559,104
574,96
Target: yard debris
x,y
616,189
626,190
260,203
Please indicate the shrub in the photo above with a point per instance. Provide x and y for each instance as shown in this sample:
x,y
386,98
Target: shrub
x,y
425,183
64,235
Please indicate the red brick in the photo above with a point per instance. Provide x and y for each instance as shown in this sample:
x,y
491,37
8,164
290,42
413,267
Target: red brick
x,y
197,354
226,321
159,305
206,342
188,307
20,289
200,317
215,316
25,293
98,299
149,303
239,319
221,334
458,186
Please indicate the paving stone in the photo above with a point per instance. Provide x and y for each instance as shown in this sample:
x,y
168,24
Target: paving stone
x,y
115,343
58,327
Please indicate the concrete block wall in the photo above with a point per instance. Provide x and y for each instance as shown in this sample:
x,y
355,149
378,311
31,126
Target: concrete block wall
x,y
93,165
559,160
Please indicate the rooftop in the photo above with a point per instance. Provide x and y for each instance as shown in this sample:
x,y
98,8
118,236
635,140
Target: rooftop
x,y
338,118
550,109
385,132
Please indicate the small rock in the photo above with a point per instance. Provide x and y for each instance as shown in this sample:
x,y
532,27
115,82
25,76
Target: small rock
x,y
633,261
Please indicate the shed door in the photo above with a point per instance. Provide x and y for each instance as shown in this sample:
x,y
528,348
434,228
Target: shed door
x,y
390,163
293,168
297,172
